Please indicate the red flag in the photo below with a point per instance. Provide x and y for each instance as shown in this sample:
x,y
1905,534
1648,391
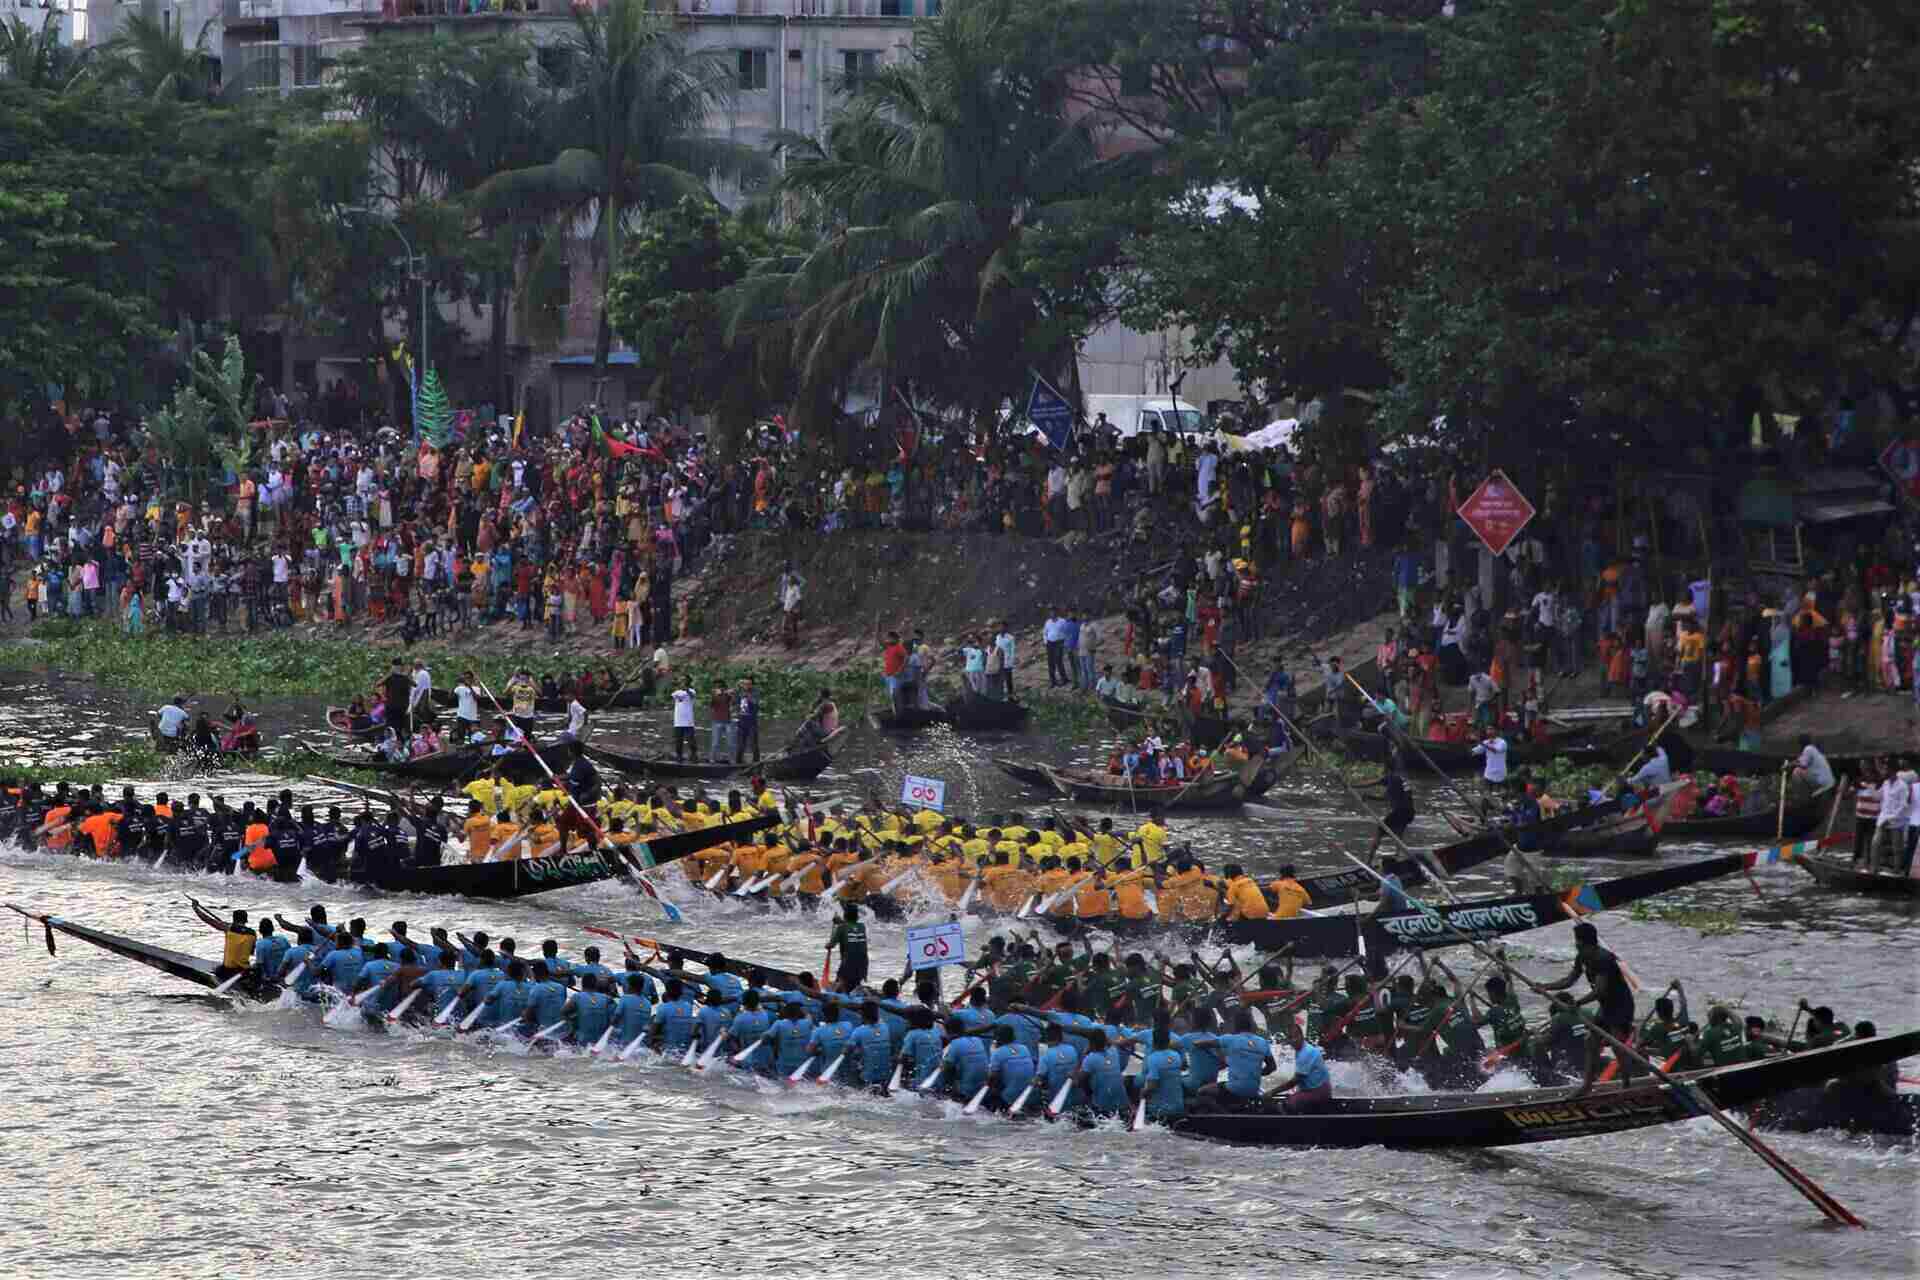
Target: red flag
x,y
620,448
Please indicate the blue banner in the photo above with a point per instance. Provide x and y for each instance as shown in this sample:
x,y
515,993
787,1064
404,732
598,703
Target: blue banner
x,y
1048,410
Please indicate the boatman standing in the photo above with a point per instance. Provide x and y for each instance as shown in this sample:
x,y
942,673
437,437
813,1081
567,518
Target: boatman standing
x,y
1493,748
1607,988
850,936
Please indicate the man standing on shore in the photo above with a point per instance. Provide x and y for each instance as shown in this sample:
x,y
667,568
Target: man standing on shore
x,y
398,691
1004,643
1054,633
746,722
720,714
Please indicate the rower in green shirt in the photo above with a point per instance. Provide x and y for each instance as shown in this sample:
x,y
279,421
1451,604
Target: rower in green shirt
x,y
1723,1041
1141,988
1101,988
1504,1019
1663,1032
1823,1028
1325,1005
1188,989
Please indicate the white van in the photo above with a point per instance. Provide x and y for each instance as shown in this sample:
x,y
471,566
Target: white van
x,y
1131,415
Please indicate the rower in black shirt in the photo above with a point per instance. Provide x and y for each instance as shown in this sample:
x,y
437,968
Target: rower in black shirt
x,y
227,830
1607,988
582,782
430,834
192,833
324,844
284,838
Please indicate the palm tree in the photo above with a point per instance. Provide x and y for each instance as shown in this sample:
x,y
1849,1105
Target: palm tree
x,y
629,126
38,58
156,62
933,182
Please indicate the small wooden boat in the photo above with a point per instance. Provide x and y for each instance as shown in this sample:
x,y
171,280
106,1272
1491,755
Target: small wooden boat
x,y
969,714
1852,878
1455,756
1841,1106
342,723
1760,824
455,764
791,766
209,755
630,697
1630,836
1436,1120
1206,732
1220,788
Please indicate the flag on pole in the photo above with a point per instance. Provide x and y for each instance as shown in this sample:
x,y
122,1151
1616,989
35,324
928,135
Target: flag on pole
x,y
1048,410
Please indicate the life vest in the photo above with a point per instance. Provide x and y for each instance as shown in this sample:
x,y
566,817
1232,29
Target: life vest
x,y
262,859
239,949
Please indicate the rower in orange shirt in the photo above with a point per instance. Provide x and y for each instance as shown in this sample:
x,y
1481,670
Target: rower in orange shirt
x,y
1244,901
57,827
479,830
102,829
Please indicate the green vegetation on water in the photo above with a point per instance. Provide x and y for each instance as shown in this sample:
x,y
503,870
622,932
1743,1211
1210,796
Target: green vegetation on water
x,y
1710,921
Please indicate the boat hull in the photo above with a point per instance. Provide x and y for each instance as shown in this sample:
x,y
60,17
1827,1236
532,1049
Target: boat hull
x,y
1442,1120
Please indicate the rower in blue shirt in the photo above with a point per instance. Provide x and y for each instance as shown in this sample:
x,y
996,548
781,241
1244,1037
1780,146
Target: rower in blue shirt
x,y
746,1030
341,967
674,1021
828,1041
633,1011
790,1037
591,1010
441,984
1161,1078
1058,1062
590,964
546,1000
713,1017
893,1012
976,1016
964,1064
397,939
719,979
648,987
507,999
1010,1068
378,980
1249,1057
1311,1086
299,956
921,1047
471,951
1025,1028
872,1046
480,980
558,969
269,951
1201,1048
1100,1074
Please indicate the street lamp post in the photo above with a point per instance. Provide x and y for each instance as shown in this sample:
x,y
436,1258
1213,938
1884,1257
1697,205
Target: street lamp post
x,y
416,267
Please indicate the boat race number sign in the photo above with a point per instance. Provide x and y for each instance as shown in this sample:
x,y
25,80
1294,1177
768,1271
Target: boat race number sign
x,y
1496,512
924,793
931,945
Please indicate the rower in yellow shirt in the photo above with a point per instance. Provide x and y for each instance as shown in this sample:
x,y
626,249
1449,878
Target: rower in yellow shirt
x,y
479,832
505,833
1153,834
1244,901
1107,846
975,847
811,866
1290,896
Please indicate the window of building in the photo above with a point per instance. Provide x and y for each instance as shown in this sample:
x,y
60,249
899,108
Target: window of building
x,y
896,8
856,65
753,69
80,26
309,66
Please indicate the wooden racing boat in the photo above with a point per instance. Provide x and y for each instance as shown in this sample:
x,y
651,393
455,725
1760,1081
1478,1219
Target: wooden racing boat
x,y
1849,877
1217,789
1482,919
1434,1120
792,766
1800,819
1627,836
1842,1106
175,964
519,877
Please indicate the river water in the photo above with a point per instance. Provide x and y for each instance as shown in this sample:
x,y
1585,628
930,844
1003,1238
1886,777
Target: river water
x,y
150,1132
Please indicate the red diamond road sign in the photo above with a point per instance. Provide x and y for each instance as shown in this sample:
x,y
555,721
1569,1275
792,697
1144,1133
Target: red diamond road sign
x,y
1496,512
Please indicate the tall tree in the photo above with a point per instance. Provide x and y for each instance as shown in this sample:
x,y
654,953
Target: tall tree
x,y
629,129
945,184
36,57
154,60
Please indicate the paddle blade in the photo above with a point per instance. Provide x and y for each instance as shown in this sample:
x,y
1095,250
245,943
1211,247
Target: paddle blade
x,y
833,1069
161,861
1021,1101
1059,1102
713,1051
1139,1115
466,1023
294,977
633,1048
400,1009
966,899
230,983
693,1051
713,881
546,1031
1025,907
826,968
932,1076
800,1072
893,1082
973,1103
601,1043
674,914
740,1059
